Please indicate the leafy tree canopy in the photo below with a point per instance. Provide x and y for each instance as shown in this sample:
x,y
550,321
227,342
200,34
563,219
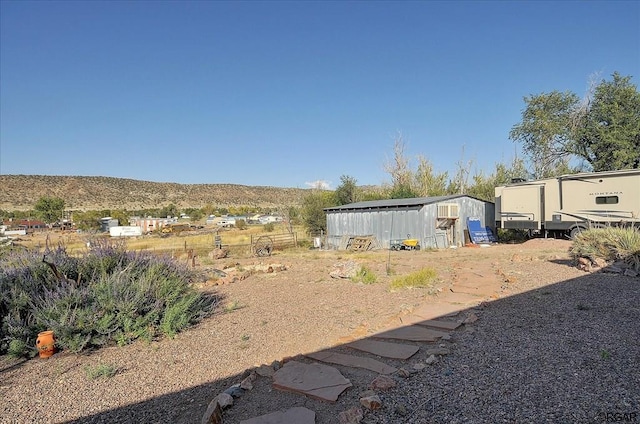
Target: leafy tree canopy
x,y
347,191
602,130
312,211
49,209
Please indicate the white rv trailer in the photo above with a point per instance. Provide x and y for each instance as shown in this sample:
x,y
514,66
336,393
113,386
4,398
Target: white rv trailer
x,y
570,203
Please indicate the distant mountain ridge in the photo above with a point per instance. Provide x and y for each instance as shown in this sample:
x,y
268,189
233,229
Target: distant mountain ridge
x,y
21,192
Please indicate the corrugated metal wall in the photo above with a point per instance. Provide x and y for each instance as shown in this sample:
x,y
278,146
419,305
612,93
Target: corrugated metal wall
x,y
417,222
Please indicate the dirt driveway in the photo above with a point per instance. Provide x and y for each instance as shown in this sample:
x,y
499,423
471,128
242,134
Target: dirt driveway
x,y
270,316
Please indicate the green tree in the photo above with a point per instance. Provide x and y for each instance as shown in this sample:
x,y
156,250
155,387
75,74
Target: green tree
x,y
603,130
194,214
609,138
169,210
121,215
312,212
88,221
49,209
347,191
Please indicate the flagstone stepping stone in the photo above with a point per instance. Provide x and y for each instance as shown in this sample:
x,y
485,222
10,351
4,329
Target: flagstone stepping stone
x,y
436,310
465,299
298,415
441,325
385,349
315,380
412,332
352,361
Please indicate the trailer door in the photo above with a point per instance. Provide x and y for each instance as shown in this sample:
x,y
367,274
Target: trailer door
x,y
521,207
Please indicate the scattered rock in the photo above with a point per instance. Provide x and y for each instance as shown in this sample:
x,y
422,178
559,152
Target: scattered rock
x,y
213,414
371,402
382,382
351,416
431,360
419,366
613,269
599,262
235,391
404,373
584,264
265,371
247,383
438,351
225,400
276,365
346,270
367,393
471,318
401,409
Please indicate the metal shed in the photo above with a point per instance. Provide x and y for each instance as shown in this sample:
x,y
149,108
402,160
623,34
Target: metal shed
x,y
437,222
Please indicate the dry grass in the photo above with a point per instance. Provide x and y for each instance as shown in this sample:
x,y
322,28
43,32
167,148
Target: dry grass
x,y
200,242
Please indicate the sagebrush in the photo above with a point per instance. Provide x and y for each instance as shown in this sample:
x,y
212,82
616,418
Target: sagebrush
x,y
107,295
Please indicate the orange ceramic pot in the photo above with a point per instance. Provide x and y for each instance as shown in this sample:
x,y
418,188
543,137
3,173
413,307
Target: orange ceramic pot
x,y
46,344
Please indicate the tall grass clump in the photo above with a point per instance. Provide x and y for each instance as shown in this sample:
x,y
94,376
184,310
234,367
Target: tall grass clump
x,y
365,276
610,244
107,296
418,279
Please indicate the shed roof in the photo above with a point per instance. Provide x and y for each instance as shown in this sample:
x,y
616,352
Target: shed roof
x,y
395,203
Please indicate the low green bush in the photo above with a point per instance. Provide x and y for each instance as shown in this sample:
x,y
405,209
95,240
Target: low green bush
x,y
100,371
109,295
365,276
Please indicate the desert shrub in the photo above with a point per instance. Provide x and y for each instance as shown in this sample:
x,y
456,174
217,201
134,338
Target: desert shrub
x,y
269,227
305,244
109,295
241,224
610,244
364,275
419,279
100,371
511,235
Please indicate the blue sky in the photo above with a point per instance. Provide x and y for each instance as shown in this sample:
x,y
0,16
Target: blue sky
x,y
288,93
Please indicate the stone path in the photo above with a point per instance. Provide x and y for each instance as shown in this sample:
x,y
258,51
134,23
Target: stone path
x,y
426,325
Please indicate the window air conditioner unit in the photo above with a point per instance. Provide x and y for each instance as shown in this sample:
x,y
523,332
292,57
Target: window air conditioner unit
x,y
448,210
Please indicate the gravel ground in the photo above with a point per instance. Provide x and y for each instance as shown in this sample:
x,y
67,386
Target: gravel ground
x,y
557,345
567,353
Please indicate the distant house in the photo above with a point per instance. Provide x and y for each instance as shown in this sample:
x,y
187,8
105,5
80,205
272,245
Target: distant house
x,y
437,222
149,224
266,219
28,225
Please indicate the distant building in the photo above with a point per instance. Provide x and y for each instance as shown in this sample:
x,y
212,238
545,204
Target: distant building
x,y
436,222
149,224
28,225
107,222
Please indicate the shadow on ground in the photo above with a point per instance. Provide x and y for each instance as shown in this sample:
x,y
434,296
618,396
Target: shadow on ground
x,y
568,352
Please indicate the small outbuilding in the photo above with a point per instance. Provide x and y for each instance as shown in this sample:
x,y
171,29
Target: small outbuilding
x,y
436,222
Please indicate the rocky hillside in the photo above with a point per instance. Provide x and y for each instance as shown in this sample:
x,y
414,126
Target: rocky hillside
x,y
21,192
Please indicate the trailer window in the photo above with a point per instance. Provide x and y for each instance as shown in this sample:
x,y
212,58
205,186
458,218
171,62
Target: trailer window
x,y
606,200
